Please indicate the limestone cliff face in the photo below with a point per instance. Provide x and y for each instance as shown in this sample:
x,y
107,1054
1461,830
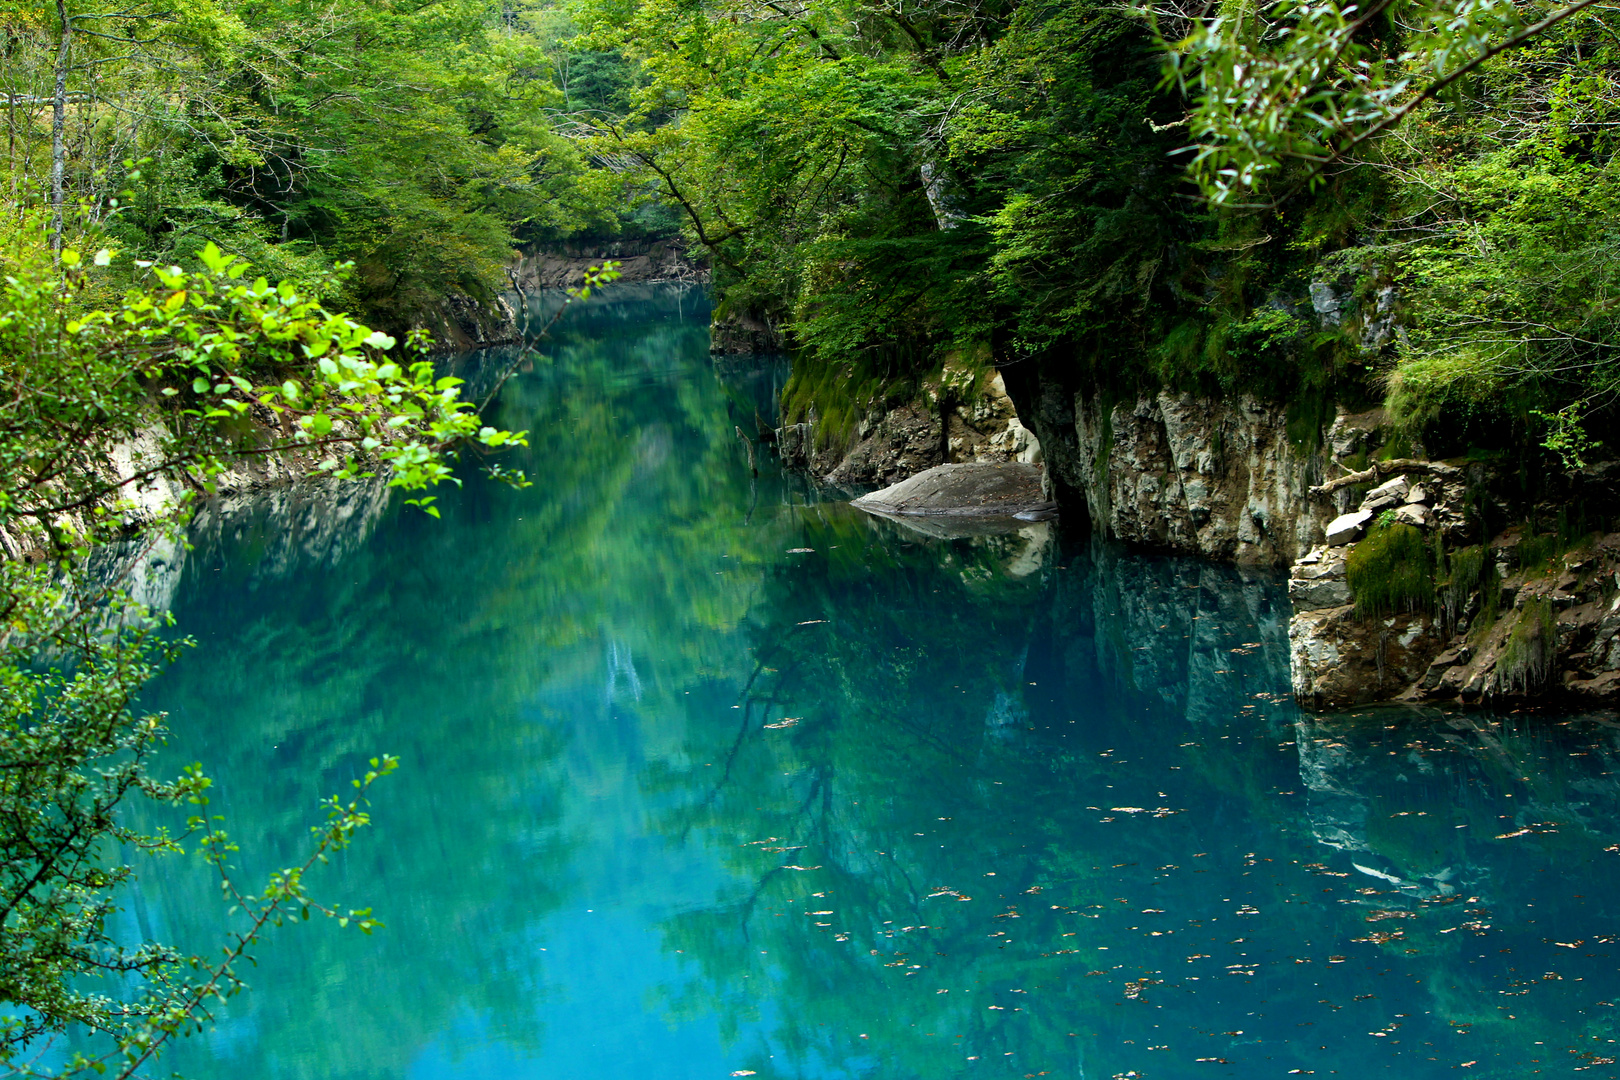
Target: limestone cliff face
x,y
459,323
740,333
562,266
1524,626
1236,479
1220,478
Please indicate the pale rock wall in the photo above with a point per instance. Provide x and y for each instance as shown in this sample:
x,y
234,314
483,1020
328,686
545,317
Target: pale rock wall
x,y
458,323
1218,478
564,265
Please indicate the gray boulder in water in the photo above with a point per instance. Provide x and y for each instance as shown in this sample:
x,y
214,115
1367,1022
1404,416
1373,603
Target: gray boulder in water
x,y
968,489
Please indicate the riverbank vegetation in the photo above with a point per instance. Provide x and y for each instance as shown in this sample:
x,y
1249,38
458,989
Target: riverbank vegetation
x,y
1399,202
411,140
1402,203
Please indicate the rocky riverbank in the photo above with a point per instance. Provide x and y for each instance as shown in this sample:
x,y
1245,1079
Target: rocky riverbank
x,y
1494,607
563,266
1519,615
459,323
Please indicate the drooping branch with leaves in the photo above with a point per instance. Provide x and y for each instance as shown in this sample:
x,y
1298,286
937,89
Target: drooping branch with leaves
x,y
113,422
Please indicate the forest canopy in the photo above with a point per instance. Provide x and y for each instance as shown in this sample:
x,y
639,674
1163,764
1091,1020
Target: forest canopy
x,y
413,140
1409,202
1145,194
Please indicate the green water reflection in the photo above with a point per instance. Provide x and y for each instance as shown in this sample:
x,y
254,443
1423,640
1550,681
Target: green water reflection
x,y
705,775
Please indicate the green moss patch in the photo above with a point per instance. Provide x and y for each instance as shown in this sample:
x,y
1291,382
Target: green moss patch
x,y
1460,574
1391,571
1532,644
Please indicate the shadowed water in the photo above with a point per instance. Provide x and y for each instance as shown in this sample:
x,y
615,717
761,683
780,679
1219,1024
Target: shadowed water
x,y
705,777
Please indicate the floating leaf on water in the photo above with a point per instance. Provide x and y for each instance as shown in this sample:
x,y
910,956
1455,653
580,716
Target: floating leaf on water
x,y
1380,916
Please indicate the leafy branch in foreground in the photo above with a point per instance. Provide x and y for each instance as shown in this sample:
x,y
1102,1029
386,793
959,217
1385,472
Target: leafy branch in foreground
x,y
188,1003
165,391
252,370
1311,80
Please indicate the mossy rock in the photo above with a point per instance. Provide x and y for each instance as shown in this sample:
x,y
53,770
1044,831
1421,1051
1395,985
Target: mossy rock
x,y
1391,571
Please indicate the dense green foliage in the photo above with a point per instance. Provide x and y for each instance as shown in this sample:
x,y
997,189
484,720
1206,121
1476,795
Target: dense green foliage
x,y
897,184
411,139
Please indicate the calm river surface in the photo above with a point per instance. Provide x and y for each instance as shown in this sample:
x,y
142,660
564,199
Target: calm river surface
x,y
707,776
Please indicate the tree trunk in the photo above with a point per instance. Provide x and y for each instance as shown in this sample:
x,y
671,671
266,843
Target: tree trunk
x,y
58,130
937,185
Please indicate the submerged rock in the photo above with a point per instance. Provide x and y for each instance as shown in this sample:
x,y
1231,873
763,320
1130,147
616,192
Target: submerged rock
x,y
969,489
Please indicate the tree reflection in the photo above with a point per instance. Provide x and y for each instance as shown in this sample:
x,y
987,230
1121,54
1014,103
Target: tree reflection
x,y
1051,823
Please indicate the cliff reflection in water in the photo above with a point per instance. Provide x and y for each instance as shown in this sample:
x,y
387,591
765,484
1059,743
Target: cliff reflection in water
x,y
704,775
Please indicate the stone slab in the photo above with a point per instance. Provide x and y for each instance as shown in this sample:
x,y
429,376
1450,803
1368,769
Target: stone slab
x,y
1347,527
1413,514
966,489
1391,489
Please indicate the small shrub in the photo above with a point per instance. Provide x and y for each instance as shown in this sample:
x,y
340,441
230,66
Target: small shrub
x,y
1391,571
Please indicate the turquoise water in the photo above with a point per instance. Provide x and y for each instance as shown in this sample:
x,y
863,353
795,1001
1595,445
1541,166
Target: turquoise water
x,y
706,775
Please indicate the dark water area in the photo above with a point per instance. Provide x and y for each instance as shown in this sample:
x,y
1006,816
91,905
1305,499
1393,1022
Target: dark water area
x,y
707,775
